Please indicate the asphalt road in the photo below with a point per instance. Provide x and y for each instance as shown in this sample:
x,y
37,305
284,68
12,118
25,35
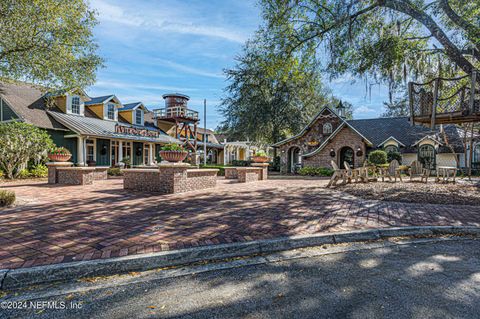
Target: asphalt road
x,y
428,280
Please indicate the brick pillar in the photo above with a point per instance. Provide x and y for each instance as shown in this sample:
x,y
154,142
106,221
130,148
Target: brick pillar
x,y
52,170
174,177
264,166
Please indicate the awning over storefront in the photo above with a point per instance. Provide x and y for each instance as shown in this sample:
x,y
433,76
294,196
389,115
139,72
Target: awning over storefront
x,y
110,129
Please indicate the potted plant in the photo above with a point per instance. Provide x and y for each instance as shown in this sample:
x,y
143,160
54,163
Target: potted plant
x,y
260,157
91,163
59,154
173,153
126,161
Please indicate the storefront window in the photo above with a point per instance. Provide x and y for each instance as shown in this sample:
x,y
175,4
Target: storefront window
x,y
90,149
146,150
114,157
127,149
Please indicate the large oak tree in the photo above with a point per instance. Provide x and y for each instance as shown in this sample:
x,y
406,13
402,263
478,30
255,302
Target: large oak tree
x,y
48,42
389,41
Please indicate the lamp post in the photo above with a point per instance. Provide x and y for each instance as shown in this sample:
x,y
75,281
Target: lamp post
x,y
205,132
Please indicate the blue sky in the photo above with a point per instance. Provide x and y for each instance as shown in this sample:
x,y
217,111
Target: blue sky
x,y
156,47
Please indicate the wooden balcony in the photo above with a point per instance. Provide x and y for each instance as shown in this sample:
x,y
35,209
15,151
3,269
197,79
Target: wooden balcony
x,y
176,114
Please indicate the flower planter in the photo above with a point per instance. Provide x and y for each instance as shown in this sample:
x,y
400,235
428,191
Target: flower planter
x,y
260,159
59,157
173,156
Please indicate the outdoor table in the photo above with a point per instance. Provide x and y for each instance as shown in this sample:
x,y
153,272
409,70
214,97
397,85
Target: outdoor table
x,y
445,172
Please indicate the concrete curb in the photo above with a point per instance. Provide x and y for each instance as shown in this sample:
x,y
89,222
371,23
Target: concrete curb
x,y
18,278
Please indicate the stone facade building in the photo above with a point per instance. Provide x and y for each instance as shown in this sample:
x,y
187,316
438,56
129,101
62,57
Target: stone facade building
x,y
330,137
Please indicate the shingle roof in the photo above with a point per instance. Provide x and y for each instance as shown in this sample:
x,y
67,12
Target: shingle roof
x,y
380,129
99,99
27,101
101,128
130,106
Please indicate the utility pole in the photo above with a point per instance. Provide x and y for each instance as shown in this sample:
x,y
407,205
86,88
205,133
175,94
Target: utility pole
x,y
205,132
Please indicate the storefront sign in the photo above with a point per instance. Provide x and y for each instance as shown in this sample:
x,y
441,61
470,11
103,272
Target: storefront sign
x,y
135,131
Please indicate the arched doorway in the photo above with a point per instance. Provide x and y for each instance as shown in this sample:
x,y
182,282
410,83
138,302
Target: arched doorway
x,y
347,155
426,156
293,158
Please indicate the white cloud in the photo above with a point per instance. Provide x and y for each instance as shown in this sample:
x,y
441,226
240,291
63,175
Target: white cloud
x,y
363,109
187,69
142,86
166,20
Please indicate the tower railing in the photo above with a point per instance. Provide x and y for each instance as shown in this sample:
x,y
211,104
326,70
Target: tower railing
x,y
174,112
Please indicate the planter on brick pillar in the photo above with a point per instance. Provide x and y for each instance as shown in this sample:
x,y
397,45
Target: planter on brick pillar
x,y
264,172
52,170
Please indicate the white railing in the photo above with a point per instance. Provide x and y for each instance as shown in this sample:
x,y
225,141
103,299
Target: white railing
x,y
176,112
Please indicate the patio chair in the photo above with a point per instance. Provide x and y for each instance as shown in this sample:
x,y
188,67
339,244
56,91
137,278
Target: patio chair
x,y
417,170
391,171
355,173
337,174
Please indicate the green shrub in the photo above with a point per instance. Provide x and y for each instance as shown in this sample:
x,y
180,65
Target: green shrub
x,y
221,169
1,174
172,147
127,161
114,171
315,171
275,164
377,157
241,163
7,198
39,170
260,153
24,173
392,155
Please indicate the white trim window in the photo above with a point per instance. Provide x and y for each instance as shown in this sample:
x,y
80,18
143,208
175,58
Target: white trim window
x,y
327,128
111,111
139,117
91,150
76,104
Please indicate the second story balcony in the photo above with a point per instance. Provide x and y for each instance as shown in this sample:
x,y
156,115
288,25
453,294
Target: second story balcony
x,y
176,113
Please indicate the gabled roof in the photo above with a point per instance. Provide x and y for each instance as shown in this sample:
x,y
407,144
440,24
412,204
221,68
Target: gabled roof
x,y
102,99
391,138
327,140
27,101
381,129
319,114
133,106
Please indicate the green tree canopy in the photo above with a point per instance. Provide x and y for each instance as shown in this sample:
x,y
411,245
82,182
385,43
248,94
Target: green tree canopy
x,y
270,95
20,143
48,42
383,41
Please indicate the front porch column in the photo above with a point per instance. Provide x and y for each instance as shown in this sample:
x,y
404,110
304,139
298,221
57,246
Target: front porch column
x,y
150,154
81,151
120,151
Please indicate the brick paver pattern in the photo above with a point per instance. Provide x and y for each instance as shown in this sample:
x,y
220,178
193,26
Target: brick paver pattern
x,y
58,224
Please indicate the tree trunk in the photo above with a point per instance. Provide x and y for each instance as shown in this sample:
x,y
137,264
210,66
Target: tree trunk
x,y
451,49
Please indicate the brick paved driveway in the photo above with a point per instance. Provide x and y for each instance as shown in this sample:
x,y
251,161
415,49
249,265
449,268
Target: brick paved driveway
x,y
69,223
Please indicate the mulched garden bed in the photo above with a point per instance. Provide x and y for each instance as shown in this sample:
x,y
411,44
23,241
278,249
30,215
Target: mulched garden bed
x,y
461,193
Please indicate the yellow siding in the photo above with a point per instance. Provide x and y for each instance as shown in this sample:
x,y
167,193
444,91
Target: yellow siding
x,y
127,115
61,102
167,126
446,160
97,109
408,158
390,142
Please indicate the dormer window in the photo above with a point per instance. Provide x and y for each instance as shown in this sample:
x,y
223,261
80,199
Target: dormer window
x,y
111,111
138,117
75,104
327,128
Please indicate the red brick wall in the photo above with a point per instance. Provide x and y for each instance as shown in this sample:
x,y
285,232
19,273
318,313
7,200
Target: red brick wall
x,y
346,137
314,134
